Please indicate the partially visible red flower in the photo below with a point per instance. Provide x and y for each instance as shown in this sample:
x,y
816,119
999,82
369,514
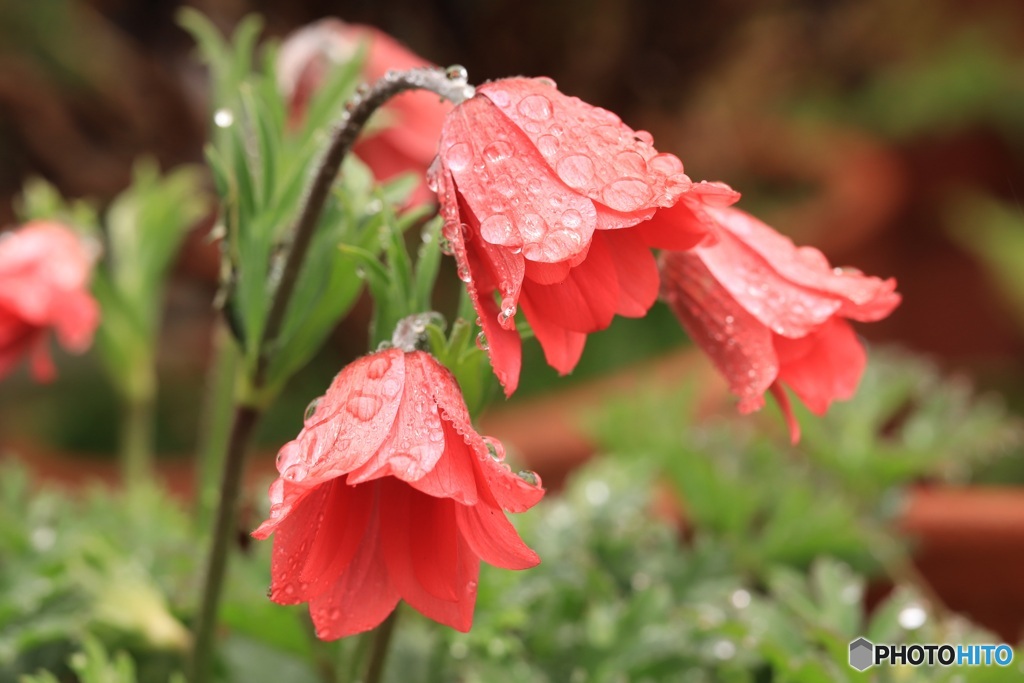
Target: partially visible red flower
x,y
44,274
553,205
771,313
389,493
411,121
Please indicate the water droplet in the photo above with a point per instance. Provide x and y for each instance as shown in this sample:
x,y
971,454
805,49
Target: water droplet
x,y
499,97
464,274
534,186
296,472
495,448
631,162
548,145
576,171
391,387
498,229
310,411
458,156
532,227
378,367
529,476
644,137
626,194
571,219
223,118
363,406
456,73
498,151
481,342
669,164
536,107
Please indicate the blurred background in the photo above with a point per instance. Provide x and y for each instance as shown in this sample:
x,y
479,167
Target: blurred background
x,y
888,133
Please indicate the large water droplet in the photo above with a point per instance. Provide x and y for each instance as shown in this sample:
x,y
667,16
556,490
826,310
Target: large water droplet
x,y
626,194
498,229
494,448
310,411
669,164
498,151
576,171
532,227
458,156
363,406
481,342
631,162
536,107
529,476
548,145
457,73
571,219
499,97
644,137
296,472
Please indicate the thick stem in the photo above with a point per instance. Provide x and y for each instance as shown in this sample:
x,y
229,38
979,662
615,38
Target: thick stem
x,y
343,136
379,651
450,85
223,534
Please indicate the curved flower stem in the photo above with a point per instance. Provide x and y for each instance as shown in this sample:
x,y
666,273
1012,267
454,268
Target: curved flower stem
x,y
379,651
450,85
342,137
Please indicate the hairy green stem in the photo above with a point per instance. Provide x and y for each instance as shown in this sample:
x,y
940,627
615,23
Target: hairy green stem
x,y
450,85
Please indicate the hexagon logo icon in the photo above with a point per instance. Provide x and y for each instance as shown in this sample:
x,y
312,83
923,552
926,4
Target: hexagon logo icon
x,y
861,654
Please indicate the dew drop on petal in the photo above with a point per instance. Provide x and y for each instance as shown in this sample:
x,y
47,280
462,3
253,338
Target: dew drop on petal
x,y
548,145
459,156
536,107
498,151
494,448
644,137
310,411
631,162
571,219
363,406
498,229
532,227
576,171
481,342
666,163
626,194
529,476
391,387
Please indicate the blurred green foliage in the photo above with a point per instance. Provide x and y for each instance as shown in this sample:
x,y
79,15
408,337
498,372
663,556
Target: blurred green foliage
x,y
764,582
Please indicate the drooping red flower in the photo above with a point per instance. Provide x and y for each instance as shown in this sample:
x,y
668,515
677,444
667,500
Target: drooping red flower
x,y
769,313
553,205
389,493
410,123
44,273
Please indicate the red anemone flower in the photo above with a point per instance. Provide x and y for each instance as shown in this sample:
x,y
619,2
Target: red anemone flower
x,y
44,273
771,313
410,122
388,493
537,190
